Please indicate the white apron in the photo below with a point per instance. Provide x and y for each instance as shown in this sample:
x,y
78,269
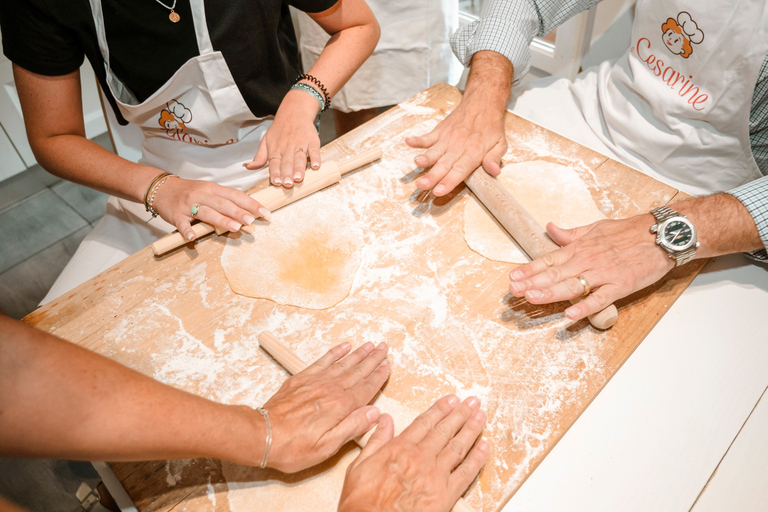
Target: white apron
x,y
413,52
197,125
676,105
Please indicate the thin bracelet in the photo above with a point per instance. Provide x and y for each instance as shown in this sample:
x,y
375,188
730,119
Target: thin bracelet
x,y
152,184
264,459
311,90
150,202
320,85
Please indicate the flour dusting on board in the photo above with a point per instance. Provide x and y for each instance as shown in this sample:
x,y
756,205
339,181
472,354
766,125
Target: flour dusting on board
x,y
442,309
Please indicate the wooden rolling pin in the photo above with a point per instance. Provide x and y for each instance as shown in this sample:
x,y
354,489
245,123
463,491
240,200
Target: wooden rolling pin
x,y
293,363
526,231
274,197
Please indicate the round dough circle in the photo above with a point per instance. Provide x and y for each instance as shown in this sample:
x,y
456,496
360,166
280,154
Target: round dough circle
x,y
550,192
307,256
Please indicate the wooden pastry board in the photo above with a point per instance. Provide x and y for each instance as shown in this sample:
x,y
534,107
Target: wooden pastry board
x,y
443,309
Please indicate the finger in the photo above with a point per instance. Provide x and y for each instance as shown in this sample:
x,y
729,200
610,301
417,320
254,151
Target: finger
x,y
365,390
327,359
352,359
356,424
594,302
299,165
211,216
565,236
521,276
492,159
260,160
422,141
286,169
458,173
365,367
274,170
437,172
567,289
314,156
466,473
446,429
247,203
425,422
384,433
185,228
458,447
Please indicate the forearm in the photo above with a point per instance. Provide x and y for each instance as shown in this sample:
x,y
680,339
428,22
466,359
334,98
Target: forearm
x,y
80,405
489,82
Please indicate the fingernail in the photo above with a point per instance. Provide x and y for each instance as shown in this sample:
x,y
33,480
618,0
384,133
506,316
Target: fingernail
x,y
453,400
373,414
191,235
534,294
248,219
478,416
473,402
245,164
288,182
265,213
315,165
516,275
572,313
422,183
483,446
439,189
516,287
384,363
297,176
277,181
345,346
368,346
381,346
419,160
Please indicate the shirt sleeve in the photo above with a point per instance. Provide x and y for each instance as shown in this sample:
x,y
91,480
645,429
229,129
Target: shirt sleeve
x,y
34,40
754,196
313,6
758,119
509,26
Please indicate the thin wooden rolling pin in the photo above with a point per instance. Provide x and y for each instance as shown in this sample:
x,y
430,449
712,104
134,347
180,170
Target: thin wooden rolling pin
x,y
293,363
276,197
524,229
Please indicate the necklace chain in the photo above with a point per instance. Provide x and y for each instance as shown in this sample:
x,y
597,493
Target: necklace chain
x,y
169,8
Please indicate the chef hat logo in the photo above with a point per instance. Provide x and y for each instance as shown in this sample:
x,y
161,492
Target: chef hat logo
x,y
180,112
680,35
690,28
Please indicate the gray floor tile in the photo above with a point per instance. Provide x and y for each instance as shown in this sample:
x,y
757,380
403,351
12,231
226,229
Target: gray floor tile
x,y
23,286
33,225
26,184
42,485
89,203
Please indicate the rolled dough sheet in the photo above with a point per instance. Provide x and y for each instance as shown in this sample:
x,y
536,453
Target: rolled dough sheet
x,y
550,192
307,256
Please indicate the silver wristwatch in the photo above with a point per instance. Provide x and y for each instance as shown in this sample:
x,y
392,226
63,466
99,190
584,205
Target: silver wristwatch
x,y
675,234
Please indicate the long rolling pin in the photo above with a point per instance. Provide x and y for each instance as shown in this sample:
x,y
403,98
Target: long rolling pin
x,y
276,197
293,363
524,229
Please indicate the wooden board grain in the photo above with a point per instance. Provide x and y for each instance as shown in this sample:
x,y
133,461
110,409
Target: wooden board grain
x,y
442,308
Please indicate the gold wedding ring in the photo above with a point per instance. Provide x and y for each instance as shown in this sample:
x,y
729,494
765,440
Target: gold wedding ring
x,y
300,150
276,157
585,284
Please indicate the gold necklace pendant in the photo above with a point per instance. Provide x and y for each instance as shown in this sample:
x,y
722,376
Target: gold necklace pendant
x,y
174,16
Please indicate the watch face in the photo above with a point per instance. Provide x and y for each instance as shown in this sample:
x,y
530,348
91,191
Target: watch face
x,y
677,234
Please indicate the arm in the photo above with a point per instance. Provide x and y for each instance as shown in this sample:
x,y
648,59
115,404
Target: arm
x,y
619,257
292,137
426,468
81,405
497,48
56,131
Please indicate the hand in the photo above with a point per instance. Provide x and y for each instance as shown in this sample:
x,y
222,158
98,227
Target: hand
x,y
223,207
290,140
616,257
426,468
473,133
317,411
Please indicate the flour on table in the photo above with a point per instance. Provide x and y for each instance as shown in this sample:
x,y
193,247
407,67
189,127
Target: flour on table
x,y
550,192
307,256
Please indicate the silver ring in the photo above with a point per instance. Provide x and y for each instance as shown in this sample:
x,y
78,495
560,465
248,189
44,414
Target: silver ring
x,y
194,210
276,157
300,150
585,284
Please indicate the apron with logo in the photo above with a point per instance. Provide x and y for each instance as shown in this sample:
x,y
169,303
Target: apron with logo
x,y
197,125
677,104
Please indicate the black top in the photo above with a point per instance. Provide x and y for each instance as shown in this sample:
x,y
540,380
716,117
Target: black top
x,y
256,38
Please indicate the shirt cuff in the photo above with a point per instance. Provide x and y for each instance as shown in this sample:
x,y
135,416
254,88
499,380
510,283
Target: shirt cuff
x,y
754,197
506,28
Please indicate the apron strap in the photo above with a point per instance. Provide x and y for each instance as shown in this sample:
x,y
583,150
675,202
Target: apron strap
x,y
201,27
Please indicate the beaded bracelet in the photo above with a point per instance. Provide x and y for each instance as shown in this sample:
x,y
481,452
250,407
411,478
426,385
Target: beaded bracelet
x,y
320,85
151,185
311,90
149,204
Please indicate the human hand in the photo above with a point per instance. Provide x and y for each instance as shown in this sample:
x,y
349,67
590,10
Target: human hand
x,y
290,140
317,411
225,208
616,257
426,468
471,135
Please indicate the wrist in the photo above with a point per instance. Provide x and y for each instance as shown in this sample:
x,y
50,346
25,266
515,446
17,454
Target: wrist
x,y
301,104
